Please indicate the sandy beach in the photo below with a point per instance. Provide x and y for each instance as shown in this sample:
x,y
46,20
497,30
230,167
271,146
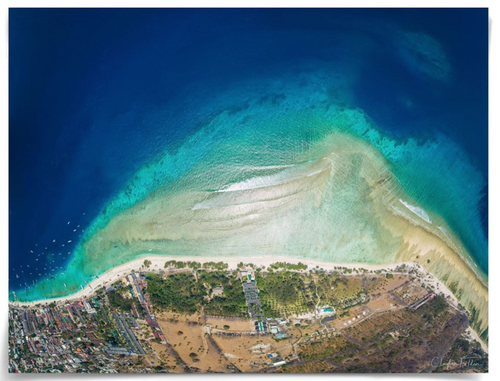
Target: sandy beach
x,y
158,263
337,203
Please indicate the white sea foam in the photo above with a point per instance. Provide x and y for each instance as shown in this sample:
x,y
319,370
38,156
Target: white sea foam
x,y
418,211
290,174
444,231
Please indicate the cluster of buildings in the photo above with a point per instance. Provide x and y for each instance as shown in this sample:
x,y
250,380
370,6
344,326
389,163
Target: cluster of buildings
x,y
104,332
137,284
251,292
262,325
89,335
272,326
62,338
125,324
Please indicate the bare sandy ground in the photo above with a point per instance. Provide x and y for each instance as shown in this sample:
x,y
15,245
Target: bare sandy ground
x,y
301,212
305,216
158,262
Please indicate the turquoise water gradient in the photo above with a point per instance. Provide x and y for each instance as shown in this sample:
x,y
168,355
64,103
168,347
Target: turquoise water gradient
x,y
269,125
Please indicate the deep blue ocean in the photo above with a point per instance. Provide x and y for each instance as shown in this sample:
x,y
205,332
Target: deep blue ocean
x,y
94,95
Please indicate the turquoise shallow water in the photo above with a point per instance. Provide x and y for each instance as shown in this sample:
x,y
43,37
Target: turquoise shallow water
x,y
273,136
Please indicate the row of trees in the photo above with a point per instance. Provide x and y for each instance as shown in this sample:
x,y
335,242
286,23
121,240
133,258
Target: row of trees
x,y
288,266
197,265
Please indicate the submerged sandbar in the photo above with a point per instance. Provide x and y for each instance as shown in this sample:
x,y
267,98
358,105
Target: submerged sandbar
x,y
334,201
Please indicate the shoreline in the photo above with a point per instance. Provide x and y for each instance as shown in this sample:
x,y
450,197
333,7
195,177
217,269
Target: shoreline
x,y
452,242
158,262
201,226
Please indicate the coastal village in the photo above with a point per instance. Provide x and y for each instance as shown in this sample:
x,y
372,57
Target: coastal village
x,y
190,317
